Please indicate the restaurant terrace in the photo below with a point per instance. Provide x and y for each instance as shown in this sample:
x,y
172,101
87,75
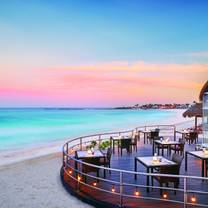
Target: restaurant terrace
x,y
160,165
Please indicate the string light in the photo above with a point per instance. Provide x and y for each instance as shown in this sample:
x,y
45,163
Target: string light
x,y
136,192
94,184
79,178
165,196
193,199
113,189
70,172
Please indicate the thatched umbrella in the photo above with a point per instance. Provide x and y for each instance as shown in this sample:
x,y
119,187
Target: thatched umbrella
x,y
203,90
194,111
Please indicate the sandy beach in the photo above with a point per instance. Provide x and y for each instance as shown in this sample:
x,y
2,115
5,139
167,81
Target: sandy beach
x,y
35,183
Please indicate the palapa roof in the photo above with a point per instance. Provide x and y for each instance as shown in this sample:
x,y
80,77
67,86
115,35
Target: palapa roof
x,y
194,111
203,90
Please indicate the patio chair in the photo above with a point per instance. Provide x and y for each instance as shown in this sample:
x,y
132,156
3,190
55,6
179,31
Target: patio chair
x,y
152,135
192,137
177,159
125,144
133,143
90,169
171,170
106,161
179,148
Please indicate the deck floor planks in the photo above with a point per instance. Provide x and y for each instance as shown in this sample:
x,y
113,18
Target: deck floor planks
x,y
126,162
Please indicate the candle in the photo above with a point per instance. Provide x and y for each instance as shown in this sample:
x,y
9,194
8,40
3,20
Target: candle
x,y
205,151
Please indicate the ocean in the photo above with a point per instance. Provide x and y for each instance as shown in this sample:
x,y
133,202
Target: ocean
x,y
26,128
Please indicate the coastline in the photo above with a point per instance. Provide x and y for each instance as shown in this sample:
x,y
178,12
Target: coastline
x,y
13,156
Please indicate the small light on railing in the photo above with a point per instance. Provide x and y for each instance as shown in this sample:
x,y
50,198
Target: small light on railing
x,y
70,172
165,196
113,189
94,184
193,199
79,178
137,193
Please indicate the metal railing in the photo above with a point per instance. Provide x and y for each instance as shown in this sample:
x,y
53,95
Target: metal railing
x,y
75,174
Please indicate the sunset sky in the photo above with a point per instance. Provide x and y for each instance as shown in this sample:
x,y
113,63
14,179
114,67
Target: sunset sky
x,y
90,53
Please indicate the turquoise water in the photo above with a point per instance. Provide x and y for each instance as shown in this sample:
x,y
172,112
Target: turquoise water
x,y
21,127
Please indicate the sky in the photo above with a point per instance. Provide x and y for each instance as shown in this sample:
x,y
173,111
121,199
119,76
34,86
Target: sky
x,y
90,53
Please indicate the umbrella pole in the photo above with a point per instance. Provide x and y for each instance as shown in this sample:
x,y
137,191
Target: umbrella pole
x,y
195,122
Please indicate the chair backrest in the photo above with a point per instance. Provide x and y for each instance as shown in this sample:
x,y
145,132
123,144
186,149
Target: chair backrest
x,y
182,144
88,168
109,153
134,138
171,170
125,143
154,134
182,141
177,159
157,129
193,135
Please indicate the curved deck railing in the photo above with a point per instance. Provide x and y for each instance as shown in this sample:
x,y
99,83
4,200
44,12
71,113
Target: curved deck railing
x,y
118,186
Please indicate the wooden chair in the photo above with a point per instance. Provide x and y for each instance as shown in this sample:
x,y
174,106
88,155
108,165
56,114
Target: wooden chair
x,y
133,143
179,148
90,169
192,137
177,159
152,135
125,144
106,161
171,170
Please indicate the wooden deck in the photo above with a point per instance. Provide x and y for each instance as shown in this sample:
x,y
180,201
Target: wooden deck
x,y
126,162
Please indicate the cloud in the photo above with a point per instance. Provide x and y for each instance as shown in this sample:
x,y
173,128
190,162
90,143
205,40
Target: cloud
x,y
198,54
108,83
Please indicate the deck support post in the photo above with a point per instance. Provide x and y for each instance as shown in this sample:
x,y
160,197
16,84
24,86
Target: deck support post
x,y
63,158
80,143
121,189
99,140
174,133
185,193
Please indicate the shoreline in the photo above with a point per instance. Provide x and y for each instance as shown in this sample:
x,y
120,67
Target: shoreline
x,y
29,161
12,156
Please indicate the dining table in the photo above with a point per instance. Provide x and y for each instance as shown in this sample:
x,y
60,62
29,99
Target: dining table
x,y
150,163
163,143
184,133
89,154
200,154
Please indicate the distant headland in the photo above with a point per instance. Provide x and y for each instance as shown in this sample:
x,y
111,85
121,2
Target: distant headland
x,y
156,106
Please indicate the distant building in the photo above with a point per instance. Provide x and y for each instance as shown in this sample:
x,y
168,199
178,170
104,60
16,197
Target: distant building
x,y
204,98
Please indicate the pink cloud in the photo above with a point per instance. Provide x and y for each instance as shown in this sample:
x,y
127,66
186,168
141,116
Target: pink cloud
x,y
107,83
